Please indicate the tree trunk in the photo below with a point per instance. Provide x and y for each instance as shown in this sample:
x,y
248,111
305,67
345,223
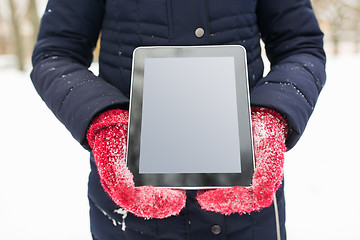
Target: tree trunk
x,y
34,18
2,38
335,36
18,38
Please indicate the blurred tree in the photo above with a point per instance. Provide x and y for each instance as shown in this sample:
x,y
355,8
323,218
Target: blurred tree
x,y
340,19
353,7
19,29
330,14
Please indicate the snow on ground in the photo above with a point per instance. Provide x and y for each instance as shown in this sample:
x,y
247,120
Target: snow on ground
x,y
43,179
322,171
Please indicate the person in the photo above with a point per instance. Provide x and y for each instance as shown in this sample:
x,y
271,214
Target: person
x,y
94,108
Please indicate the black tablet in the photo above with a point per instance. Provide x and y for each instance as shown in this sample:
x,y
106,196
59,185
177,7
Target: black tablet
x,y
190,123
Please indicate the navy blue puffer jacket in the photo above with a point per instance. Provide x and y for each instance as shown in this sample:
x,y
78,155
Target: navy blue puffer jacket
x,y
68,35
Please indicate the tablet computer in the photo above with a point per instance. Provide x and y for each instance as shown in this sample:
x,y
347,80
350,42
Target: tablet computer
x,y
190,125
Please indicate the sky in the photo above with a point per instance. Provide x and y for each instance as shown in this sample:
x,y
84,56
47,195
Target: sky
x,y
44,171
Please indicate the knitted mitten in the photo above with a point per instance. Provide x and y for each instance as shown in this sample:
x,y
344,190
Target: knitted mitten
x,y
107,136
269,133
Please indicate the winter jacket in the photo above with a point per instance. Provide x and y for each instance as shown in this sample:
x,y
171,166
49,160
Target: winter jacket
x,y
109,222
68,35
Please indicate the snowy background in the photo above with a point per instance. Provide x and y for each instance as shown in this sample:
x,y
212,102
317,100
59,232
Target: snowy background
x,y
43,178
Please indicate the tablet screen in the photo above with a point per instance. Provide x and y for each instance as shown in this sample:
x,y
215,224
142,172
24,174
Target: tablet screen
x,y
190,112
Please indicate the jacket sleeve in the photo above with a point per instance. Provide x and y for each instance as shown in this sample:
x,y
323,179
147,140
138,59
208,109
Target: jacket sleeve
x,y
294,46
68,34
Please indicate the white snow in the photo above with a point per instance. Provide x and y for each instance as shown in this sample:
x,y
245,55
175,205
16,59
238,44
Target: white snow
x,y
123,213
43,178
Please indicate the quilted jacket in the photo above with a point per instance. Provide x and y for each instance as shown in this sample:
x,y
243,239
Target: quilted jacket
x,y
70,29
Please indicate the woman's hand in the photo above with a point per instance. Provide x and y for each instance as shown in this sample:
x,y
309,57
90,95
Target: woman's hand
x,y
107,136
269,132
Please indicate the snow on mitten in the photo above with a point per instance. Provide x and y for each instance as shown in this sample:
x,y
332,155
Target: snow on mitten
x,y
269,133
107,136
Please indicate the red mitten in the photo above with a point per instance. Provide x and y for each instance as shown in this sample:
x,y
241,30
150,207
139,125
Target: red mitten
x,y
269,133
107,136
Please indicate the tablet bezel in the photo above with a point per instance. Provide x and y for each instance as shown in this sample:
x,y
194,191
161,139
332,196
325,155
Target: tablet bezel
x,y
191,180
